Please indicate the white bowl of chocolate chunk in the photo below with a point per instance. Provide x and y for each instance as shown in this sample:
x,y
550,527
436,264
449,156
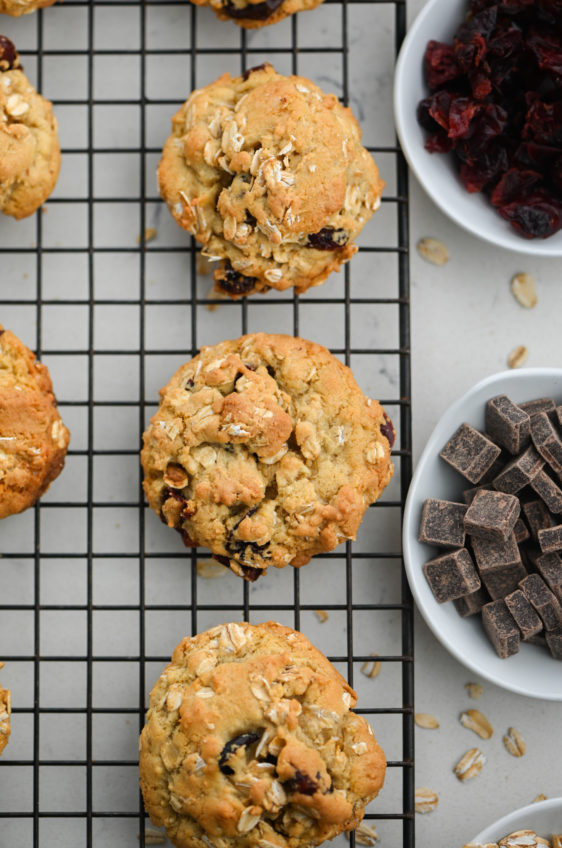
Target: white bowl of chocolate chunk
x,y
482,531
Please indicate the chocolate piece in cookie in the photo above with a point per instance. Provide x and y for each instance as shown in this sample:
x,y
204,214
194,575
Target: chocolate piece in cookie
x,y
451,576
5,713
470,453
265,450
33,439
492,515
507,424
29,147
250,740
520,472
269,174
543,600
525,616
442,524
501,629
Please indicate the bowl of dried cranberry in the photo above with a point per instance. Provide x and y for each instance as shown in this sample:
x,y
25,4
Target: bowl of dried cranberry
x,y
478,110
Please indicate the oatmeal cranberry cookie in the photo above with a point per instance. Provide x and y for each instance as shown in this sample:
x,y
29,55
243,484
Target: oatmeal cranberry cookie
x,y
5,712
269,175
250,742
252,14
265,450
23,7
29,146
33,439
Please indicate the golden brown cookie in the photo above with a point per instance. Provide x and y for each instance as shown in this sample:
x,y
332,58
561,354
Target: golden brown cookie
x,y
250,742
33,439
252,14
5,713
265,450
23,7
29,146
269,175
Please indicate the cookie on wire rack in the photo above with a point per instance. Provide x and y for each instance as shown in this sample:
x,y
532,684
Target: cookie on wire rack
x,y
265,450
23,7
29,145
269,174
33,439
252,14
250,742
5,714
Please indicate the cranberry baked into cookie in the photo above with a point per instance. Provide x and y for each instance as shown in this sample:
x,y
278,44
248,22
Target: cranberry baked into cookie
x,y
33,439
269,175
250,742
29,146
252,14
23,7
265,450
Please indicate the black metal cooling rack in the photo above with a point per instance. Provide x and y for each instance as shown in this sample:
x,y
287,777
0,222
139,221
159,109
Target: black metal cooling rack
x,y
36,769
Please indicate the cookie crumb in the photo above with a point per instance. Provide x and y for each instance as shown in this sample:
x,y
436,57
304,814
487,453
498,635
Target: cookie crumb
x,y
321,615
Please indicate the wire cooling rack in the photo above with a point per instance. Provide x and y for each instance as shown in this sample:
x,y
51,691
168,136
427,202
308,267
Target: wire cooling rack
x,y
95,593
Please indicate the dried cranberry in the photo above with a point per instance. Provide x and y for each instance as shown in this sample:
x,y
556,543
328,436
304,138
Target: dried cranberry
x,y
327,239
439,142
233,282
250,71
537,216
556,174
440,107
486,126
476,175
231,747
538,156
514,185
544,123
546,47
302,783
187,540
480,83
387,429
9,58
253,11
440,64
461,113
251,574
222,559
472,37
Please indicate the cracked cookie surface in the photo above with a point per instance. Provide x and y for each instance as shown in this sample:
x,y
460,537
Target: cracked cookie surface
x,y
265,450
22,7
33,439
29,146
269,174
250,742
252,15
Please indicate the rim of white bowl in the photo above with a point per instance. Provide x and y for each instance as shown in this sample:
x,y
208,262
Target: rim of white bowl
x,y
433,444
530,810
531,247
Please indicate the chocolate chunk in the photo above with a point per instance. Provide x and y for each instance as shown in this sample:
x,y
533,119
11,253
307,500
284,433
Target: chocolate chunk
x,y
253,11
452,575
442,524
507,424
550,539
9,58
539,640
519,472
469,494
554,642
470,453
501,628
549,566
492,515
520,531
524,614
471,604
536,407
495,468
543,600
547,441
547,489
491,555
559,415
538,517
499,582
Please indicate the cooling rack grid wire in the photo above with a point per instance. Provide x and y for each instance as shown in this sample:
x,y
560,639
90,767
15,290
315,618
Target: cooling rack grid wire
x,y
94,592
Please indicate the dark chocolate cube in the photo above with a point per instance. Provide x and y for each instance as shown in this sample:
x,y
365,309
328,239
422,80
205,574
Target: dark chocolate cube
x,y
524,614
452,575
548,490
554,642
536,407
470,453
492,515
501,581
471,604
469,494
442,524
550,539
507,424
491,555
543,600
501,628
521,532
549,566
539,640
519,472
547,441
538,517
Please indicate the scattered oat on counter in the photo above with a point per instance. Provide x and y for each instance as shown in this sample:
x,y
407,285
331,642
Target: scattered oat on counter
x,y
149,234
521,838
477,722
365,834
474,690
371,668
523,289
426,720
470,765
426,800
514,743
433,250
321,615
210,569
540,797
518,357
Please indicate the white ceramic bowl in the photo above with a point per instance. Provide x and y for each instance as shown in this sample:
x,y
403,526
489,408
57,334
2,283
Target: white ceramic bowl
x,y
532,671
544,817
439,20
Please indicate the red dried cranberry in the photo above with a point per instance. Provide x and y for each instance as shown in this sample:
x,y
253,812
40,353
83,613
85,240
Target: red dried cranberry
x,y
440,107
327,239
537,216
480,83
476,175
233,745
514,185
387,429
302,783
461,114
253,11
556,174
233,282
544,123
440,64
439,142
9,58
472,37
250,71
250,573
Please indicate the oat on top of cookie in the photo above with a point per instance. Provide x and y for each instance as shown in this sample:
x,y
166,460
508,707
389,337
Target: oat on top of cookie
x,y
270,176
250,742
33,439
29,146
265,450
